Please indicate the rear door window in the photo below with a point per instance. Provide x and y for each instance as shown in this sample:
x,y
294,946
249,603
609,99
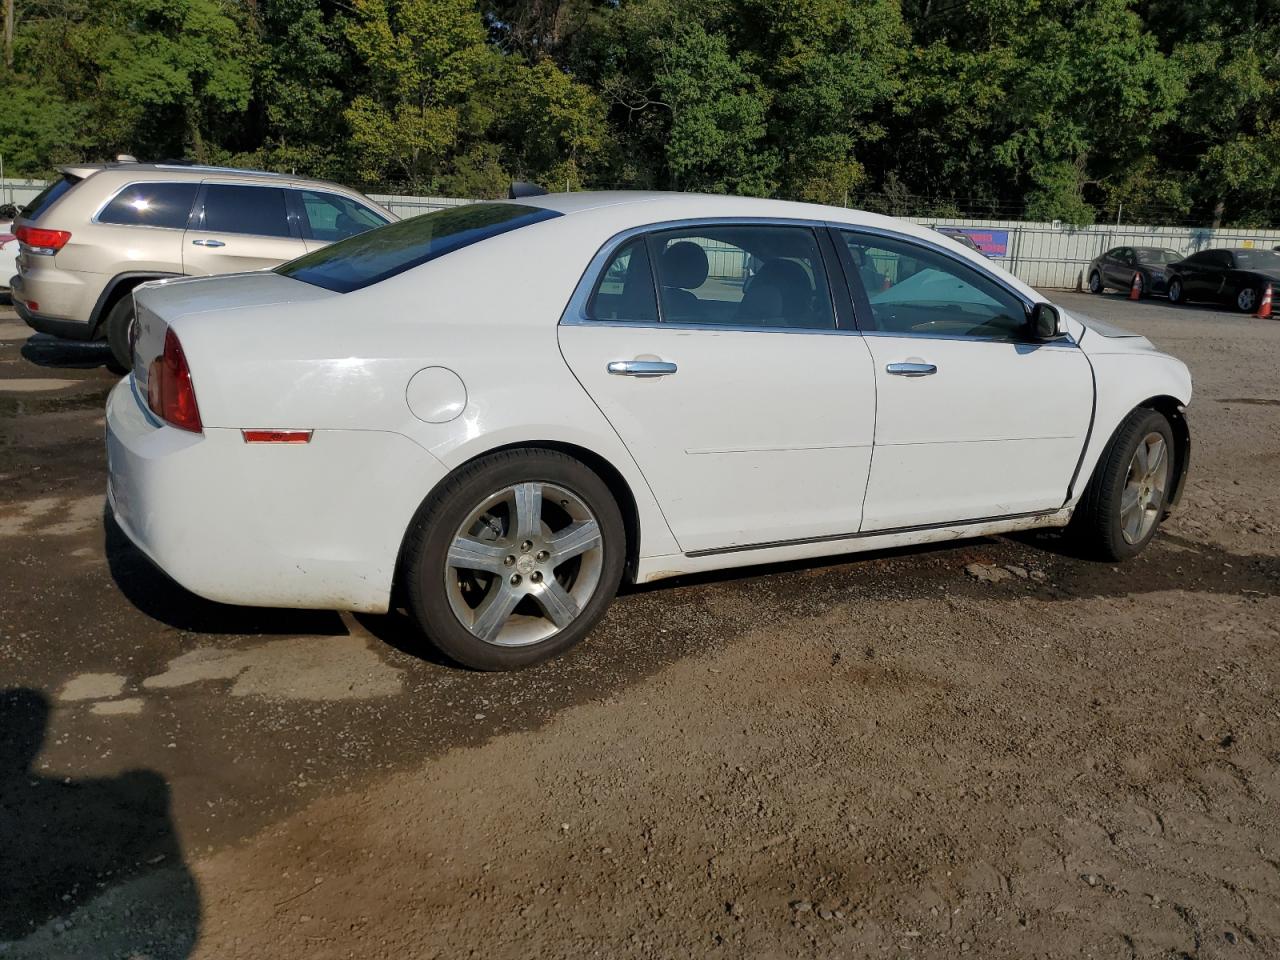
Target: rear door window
x,y
151,205
753,275
330,216
48,196
625,289
236,208
376,255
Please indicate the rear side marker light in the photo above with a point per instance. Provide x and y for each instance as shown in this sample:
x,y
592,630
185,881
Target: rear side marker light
x,y
47,242
276,436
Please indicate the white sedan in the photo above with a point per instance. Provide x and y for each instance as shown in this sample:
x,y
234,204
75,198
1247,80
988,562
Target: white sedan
x,y
493,413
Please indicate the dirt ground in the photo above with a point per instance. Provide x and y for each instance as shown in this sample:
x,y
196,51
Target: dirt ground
x,y
988,748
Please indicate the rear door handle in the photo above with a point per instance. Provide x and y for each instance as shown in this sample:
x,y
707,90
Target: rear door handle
x,y
207,243
912,368
641,368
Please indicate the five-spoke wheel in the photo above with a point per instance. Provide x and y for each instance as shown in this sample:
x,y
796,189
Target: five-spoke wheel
x,y
515,559
1129,491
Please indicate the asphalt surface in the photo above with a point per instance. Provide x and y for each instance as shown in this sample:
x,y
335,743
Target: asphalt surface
x,y
147,730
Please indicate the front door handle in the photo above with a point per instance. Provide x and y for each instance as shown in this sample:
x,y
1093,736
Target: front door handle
x,y
641,368
207,243
912,368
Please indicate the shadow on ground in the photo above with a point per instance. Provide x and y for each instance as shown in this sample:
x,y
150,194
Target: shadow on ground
x,y
67,840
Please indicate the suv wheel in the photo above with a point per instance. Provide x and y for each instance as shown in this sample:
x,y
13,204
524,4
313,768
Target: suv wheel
x,y
119,325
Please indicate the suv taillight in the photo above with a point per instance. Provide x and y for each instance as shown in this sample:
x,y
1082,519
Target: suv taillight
x,y
170,393
47,242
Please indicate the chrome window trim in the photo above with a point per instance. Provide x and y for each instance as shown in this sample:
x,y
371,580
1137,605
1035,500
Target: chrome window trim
x,y
145,226
575,312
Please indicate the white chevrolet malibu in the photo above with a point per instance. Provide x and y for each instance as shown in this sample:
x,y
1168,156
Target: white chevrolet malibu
x,y
494,413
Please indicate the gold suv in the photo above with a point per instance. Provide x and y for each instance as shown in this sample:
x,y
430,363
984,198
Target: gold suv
x,y
101,229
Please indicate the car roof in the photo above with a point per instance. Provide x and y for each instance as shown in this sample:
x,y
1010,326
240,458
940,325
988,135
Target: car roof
x,y
184,171
639,207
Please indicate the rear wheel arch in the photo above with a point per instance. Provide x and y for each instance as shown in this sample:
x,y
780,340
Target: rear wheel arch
x,y
593,461
119,287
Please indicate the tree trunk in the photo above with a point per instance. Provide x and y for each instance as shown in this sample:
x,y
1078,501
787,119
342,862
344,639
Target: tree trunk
x,y
8,34
1217,213
197,140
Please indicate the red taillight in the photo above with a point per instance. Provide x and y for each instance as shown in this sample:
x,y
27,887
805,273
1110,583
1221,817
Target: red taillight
x,y
170,393
43,241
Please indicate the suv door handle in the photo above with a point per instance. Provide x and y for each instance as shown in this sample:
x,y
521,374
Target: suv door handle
x,y
207,243
641,368
912,368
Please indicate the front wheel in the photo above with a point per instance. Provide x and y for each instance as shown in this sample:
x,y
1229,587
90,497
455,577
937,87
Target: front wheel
x,y
1176,293
515,559
1126,497
1247,300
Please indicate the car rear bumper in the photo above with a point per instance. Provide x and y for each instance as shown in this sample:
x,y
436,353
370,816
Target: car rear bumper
x,y
55,327
315,525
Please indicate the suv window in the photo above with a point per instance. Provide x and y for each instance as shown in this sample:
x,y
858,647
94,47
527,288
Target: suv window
x,y
46,197
330,216
234,208
751,275
625,289
915,290
151,205
376,255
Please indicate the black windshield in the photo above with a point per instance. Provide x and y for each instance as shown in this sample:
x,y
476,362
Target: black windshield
x,y
371,257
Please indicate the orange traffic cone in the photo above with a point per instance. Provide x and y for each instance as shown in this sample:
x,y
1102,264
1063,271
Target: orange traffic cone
x,y
1135,289
1264,309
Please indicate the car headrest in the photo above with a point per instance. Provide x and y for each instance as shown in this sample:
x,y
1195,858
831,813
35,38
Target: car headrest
x,y
684,265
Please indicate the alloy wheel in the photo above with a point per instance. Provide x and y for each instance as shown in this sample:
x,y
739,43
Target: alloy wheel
x,y
1144,488
1247,299
523,564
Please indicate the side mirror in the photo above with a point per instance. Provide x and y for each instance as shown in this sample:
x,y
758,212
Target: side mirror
x,y
1045,322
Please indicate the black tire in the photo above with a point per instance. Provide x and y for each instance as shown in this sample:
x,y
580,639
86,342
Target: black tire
x,y
118,323
1095,282
427,545
1247,304
1176,293
1095,524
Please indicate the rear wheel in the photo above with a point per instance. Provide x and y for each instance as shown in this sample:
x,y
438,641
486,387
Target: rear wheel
x,y
119,326
1176,293
1125,500
515,559
1247,300
1095,282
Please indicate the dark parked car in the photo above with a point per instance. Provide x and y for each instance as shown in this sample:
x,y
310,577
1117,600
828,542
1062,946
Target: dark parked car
x,y
1236,277
1116,268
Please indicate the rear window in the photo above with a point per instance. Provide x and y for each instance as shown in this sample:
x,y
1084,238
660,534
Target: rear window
x,y
151,205
1258,260
372,257
48,196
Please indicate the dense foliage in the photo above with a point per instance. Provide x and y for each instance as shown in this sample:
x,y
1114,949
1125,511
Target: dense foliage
x,y
1063,109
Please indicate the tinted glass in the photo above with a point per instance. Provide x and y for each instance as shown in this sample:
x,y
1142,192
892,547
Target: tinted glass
x,y
1158,255
755,276
1202,259
378,254
625,289
331,216
915,290
46,197
1267,260
1221,258
231,208
151,205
